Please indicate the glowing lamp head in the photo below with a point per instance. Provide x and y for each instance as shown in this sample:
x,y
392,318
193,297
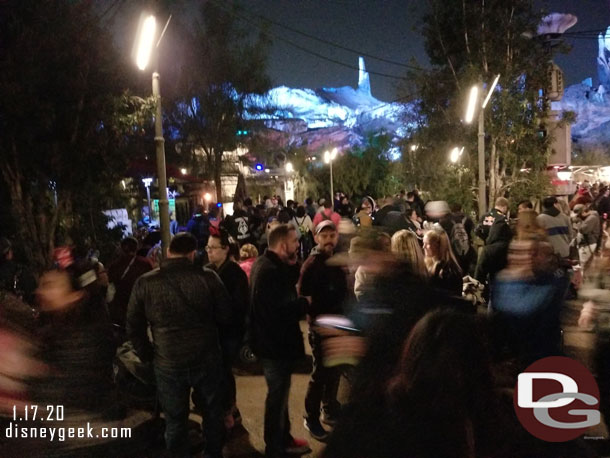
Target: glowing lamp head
x,y
472,101
147,181
219,204
289,167
207,197
259,167
145,42
456,153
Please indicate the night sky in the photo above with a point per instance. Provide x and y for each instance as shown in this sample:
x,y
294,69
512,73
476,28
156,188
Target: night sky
x,y
386,28
381,28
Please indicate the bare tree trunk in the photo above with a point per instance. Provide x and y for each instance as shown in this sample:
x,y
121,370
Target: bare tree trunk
x,y
492,173
442,45
27,230
466,30
483,38
218,174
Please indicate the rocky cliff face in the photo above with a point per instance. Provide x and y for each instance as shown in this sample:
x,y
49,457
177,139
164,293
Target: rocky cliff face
x,y
592,109
342,117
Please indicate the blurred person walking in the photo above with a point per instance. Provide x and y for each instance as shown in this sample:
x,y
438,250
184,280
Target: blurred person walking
x,y
528,294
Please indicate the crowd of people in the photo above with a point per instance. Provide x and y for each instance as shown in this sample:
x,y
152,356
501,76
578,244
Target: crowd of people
x,y
392,291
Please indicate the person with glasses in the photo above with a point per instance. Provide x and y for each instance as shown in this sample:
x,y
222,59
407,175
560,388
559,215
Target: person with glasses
x,y
231,336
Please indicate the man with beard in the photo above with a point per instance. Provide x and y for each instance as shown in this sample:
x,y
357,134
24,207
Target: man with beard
x,y
326,287
275,334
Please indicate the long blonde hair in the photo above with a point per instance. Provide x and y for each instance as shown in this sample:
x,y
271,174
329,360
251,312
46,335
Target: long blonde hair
x,y
405,247
439,238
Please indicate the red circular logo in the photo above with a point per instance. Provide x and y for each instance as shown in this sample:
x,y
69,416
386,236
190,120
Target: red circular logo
x,y
557,399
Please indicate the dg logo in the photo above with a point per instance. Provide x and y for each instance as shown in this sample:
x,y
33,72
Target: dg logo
x,y
557,399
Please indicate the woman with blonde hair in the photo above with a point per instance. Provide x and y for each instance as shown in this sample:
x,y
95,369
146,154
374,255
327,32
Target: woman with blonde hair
x,y
444,270
247,254
405,246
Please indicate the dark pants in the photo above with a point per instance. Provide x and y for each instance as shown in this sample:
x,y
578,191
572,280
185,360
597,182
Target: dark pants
x,y
323,384
230,351
277,422
173,389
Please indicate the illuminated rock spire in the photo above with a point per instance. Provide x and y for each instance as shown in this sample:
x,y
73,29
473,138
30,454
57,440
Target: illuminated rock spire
x,y
364,83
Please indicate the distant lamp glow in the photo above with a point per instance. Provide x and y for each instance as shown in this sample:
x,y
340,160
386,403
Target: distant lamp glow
x,y
267,170
330,155
564,176
414,147
289,167
259,167
147,181
183,171
491,90
455,154
219,204
472,101
145,42
207,197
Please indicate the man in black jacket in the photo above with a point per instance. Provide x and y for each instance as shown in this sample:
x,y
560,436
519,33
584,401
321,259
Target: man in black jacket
x,y
185,306
231,337
327,287
275,334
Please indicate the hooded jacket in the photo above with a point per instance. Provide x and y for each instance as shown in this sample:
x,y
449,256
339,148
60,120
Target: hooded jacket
x,y
558,229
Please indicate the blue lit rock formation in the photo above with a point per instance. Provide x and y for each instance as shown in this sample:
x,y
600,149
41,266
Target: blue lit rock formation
x,y
591,103
342,117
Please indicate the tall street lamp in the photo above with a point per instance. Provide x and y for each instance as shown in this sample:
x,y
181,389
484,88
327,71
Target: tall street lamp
x,y
288,182
144,49
147,182
329,157
473,100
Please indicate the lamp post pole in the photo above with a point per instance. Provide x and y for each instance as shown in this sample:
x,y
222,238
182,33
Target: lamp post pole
x,y
481,154
332,193
161,171
145,46
474,100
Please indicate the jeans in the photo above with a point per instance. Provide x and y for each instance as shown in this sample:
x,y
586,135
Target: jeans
x,y
173,389
323,384
277,422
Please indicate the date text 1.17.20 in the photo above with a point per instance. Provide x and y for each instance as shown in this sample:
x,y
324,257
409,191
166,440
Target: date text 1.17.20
x,y
38,413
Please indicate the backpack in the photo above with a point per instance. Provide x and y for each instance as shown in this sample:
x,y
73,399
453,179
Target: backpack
x,y
459,238
303,229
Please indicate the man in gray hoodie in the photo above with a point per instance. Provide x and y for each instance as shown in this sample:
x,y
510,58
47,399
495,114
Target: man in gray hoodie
x,y
557,225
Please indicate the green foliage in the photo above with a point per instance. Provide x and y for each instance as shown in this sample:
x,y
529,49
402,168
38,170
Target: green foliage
x,y
225,66
363,171
61,144
469,42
